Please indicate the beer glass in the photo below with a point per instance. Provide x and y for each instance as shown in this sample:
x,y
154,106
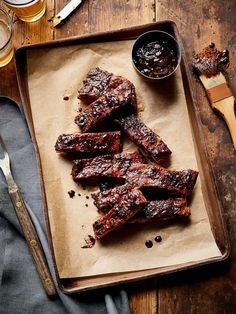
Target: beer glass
x,y
6,38
27,10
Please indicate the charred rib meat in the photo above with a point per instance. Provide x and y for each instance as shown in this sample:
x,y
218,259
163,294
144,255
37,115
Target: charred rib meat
x,y
105,166
103,107
143,137
98,82
90,143
105,200
159,210
142,175
127,206
180,182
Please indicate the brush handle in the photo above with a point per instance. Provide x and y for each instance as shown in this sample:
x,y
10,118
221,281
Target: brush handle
x,y
226,108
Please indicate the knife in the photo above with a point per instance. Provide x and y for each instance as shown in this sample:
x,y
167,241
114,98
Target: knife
x,y
67,10
26,224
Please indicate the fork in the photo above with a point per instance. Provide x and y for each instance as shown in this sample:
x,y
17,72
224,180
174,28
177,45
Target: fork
x,y
26,224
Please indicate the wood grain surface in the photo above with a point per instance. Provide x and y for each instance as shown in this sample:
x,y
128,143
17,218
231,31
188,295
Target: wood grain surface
x,y
211,288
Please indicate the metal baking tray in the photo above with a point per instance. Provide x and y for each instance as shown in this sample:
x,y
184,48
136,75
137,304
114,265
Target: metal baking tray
x,y
211,198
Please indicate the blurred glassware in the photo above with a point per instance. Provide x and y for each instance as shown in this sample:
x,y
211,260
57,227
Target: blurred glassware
x,y
6,38
27,10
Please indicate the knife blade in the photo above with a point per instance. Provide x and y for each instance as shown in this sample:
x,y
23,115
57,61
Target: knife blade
x,y
66,11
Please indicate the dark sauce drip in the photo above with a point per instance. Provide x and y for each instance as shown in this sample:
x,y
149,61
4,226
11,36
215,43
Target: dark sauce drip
x,y
148,244
87,197
86,205
66,98
158,238
71,193
157,58
90,241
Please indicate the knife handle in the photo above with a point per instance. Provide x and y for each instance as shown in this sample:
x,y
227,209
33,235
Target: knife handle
x,y
33,241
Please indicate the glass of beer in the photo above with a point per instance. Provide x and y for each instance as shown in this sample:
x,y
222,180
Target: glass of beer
x,y
27,10
6,38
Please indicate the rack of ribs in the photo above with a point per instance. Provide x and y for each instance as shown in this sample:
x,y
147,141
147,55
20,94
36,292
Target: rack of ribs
x,y
143,137
98,82
90,143
104,106
178,182
127,206
159,210
111,166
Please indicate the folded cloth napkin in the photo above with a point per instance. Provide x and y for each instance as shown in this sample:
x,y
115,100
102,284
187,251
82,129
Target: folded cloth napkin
x,y
20,287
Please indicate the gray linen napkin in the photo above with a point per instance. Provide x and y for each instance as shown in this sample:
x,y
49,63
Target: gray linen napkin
x,y
20,288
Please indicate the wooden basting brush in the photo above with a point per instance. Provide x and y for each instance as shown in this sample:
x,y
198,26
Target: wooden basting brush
x,y
210,64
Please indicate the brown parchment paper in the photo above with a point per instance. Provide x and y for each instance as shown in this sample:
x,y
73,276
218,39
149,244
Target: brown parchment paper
x,y
57,72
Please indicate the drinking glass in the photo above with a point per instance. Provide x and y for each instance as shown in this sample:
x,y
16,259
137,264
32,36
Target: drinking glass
x,y
27,10
6,38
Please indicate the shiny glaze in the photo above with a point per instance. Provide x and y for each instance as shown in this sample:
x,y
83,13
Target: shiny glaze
x,y
210,61
156,59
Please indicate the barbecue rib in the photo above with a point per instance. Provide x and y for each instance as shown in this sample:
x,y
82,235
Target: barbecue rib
x,y
98,82
92,143
127,206
143,137
105,166
153,211
179,182
105,200
104,106
160,210
138,175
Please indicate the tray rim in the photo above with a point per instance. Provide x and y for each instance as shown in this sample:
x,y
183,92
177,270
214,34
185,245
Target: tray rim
x,y
21,73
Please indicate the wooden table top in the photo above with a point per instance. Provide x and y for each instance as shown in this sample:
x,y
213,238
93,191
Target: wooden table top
x,y
210,288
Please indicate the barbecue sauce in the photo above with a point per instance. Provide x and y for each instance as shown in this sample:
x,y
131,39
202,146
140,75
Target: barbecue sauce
x,y
211,61
71,193
148,244
156,59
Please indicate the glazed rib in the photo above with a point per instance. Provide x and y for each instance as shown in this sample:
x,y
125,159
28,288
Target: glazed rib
x,y
98,82
127,206
90,143
143,137
180,182
114,166
142,175
160,210
105,200
104,106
